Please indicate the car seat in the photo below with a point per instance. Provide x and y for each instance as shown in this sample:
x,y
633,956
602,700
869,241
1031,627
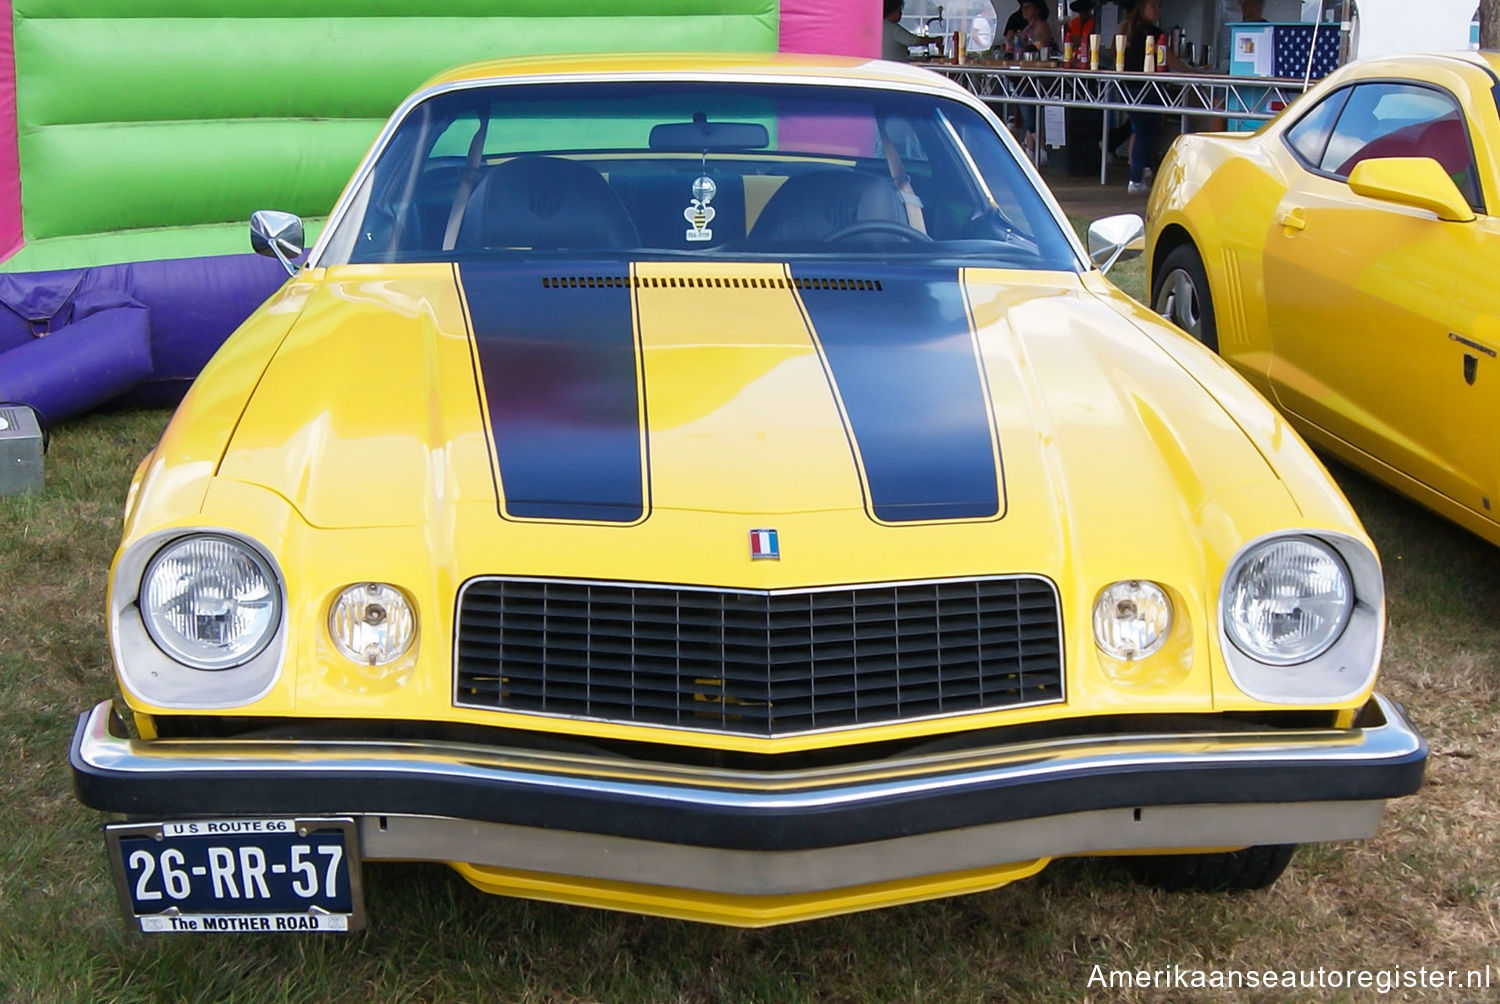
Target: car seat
x,y
809,207
547,203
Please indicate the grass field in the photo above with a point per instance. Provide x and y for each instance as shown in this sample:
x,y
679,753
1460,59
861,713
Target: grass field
x,y
1424,893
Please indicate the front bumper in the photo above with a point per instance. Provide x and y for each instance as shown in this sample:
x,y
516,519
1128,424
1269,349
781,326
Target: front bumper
x,y
596,819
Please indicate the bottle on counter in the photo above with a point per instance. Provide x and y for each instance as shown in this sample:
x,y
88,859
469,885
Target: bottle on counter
x,y
1119,53
1150,63
1161,53
1067,48
1093,52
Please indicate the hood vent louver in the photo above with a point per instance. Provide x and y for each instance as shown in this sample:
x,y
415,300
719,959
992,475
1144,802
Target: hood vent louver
x,y
708,282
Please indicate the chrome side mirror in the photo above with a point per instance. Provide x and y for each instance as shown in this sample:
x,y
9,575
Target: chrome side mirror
x,y
277,235
1116,238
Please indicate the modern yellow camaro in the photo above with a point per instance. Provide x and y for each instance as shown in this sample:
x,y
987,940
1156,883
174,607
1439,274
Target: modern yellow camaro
x,y
721,488
1346,260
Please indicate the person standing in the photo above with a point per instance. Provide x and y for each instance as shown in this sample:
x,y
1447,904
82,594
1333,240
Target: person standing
x,y
1251,12
1035,37
1081,25
1037,34
1140,24
1015,22
896,41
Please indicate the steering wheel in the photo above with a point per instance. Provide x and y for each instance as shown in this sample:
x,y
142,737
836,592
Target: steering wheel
x,y
892,227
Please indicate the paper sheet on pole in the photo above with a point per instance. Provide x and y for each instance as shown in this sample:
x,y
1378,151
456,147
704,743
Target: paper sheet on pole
x,y
1054,126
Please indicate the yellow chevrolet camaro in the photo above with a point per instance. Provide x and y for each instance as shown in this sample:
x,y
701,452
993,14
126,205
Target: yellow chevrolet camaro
x,y
721,488
1346,260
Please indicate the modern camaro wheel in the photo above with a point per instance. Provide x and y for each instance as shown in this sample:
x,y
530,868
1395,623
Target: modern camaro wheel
x,y
1180,294
1228,871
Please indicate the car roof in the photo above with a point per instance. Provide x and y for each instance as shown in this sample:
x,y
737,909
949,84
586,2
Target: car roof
x,y
697,65
1405,63
1486,58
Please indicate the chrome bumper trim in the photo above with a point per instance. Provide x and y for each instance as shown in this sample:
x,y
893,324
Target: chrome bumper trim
x,y
738,809
790,873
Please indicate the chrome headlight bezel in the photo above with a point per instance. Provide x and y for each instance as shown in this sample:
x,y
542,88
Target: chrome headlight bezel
x,y
171,640
1243,637
149,673
1339,671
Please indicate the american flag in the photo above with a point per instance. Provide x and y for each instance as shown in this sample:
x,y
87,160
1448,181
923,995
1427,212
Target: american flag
x,y
1292,43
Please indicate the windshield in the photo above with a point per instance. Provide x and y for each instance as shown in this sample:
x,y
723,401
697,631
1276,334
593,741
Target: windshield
x,y
698,170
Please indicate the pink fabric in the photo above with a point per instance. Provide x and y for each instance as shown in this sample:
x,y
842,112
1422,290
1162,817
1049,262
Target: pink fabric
x,y
832,27
10,160
852,136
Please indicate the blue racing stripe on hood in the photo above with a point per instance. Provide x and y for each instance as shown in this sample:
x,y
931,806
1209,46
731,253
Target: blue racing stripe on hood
x,y
559,367
906,367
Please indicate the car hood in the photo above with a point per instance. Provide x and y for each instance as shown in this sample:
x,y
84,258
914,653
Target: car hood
x,y
622,394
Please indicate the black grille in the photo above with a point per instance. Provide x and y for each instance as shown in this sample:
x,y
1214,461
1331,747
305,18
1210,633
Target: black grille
x,y
757,663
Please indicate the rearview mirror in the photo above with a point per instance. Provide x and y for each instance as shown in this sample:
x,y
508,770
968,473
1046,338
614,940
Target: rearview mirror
x,y
277,235
1419,182
703,136
1116,238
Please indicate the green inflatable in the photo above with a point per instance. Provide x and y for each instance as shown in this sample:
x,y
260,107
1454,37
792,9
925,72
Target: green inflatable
x,y
147,131
151,129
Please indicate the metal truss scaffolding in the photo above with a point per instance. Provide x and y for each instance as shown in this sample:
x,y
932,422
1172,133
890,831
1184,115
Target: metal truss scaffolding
x,y
1254,98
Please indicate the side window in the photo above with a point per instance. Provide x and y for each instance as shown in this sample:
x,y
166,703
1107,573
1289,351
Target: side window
x,y
1402,120
904,139
994,166
1022,214
454,141
1309,137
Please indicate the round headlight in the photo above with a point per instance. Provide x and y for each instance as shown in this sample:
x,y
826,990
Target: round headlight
x,y
1287,600
1132,619
210,602
372,623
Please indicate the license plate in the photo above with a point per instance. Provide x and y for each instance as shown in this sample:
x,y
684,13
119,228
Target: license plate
x,y
232,875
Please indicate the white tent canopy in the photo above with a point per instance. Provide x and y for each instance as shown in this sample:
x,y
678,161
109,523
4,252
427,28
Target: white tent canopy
x,y
1384,27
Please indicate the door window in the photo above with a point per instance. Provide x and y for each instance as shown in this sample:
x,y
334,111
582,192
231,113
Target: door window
x,y
1402,120
1309,137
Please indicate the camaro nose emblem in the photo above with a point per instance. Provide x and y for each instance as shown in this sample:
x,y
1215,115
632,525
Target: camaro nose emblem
x,y
763,544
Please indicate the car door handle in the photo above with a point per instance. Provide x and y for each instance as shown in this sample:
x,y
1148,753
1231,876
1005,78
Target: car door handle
x,y
1292,219
1471,361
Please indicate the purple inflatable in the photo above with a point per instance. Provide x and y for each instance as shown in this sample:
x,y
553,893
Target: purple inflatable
x,y
72,340
91,360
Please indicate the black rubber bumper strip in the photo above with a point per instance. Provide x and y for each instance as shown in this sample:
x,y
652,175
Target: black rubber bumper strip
x,y
1382,762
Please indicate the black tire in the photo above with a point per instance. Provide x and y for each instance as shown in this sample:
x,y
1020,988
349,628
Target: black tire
x,y
1179,292
1227,871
